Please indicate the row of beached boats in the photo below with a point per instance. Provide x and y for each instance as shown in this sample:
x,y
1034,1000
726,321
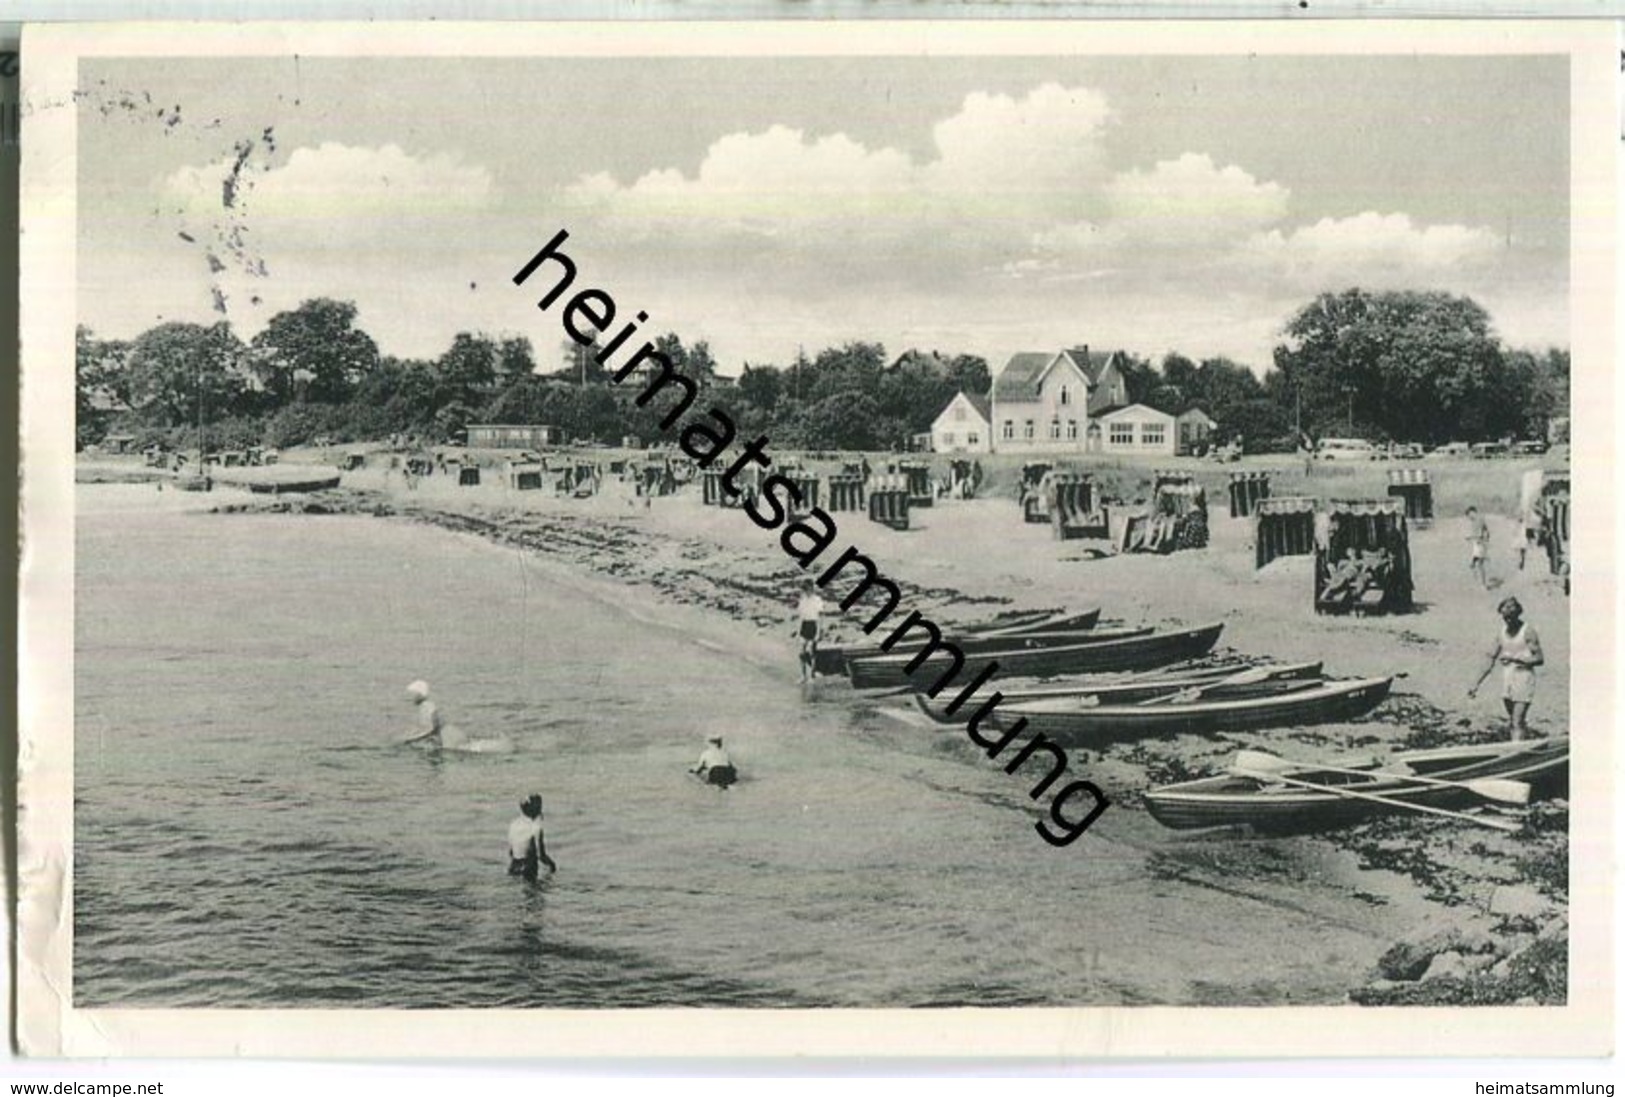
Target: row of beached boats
x,y
1085,687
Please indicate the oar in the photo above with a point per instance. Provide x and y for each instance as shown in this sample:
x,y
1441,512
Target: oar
x,y
1491,788
1249,677
1484,821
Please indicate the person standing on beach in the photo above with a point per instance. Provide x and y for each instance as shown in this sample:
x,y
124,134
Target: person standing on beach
x,y
807,614
1533,522
1517,649
527,846
1478,537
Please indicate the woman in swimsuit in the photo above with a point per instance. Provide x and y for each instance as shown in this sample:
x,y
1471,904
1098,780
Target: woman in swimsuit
x,y
1517,649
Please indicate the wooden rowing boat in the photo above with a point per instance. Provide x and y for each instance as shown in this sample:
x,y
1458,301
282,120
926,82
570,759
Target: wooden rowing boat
x,y
833,658
1050,622
1287,703
1149,649
280,479
1119,690
1278,807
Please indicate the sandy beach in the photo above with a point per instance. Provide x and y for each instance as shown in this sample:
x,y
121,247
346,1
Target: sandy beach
x,y
1478,895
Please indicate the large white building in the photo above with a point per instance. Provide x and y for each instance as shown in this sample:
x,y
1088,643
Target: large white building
x,y
1044,402
1067,402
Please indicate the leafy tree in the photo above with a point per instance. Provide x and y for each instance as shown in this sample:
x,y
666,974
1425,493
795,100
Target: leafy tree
x,y
1407,365
1181,373
467,370
101,383
970,373
179,372
581,363
314,352
761,386
523,401
515,360
844,420
1140,378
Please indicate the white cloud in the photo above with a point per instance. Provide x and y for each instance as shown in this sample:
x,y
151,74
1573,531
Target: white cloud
x,y
1190,202
1372,249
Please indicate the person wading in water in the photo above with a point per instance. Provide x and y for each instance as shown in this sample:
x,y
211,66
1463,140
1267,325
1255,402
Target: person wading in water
x,y
527,848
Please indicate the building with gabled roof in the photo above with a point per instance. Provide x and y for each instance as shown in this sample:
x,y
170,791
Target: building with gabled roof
x,y
965,426
1044,401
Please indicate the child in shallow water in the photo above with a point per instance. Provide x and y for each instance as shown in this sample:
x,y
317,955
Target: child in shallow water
x,y
527,847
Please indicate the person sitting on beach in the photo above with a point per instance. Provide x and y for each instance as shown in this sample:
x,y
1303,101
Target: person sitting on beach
x,y
527,846
431,729
807,612
714,766
1345,578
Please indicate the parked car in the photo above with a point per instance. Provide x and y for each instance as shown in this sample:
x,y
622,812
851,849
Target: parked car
x,y
1346,449
1405,451
1532,447
1452,449
1485,450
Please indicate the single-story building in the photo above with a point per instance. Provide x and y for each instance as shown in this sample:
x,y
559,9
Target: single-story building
x,y
1137,429
508,436
1194,427
965,426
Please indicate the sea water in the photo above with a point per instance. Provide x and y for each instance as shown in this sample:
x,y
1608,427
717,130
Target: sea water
x,y
246,834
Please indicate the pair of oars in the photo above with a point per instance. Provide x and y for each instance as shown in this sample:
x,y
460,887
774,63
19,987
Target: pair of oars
x,y
1251,676
1258,764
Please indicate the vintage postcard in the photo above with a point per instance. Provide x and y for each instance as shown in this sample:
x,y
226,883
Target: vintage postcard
x,y
913,539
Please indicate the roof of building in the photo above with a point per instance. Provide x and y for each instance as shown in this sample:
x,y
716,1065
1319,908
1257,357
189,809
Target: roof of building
x,y
1146,413
980,403
1015,382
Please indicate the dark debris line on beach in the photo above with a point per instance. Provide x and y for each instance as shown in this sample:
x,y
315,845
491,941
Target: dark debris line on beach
x,y
1520,959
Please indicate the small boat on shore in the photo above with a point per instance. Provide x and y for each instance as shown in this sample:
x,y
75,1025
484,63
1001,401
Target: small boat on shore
x,y
833,658
1340,795
1136,652
1051,621
1126,690
1199,709
280,479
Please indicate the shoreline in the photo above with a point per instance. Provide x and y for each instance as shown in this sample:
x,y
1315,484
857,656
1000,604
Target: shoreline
x,y
706,580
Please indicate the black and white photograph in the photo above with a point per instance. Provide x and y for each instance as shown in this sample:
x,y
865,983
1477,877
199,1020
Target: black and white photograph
x,y
731,525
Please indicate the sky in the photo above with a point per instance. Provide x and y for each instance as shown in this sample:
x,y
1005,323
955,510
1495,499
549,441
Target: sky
x,y
962,204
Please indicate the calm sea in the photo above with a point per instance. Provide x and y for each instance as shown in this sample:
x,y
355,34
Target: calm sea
x,y
245,836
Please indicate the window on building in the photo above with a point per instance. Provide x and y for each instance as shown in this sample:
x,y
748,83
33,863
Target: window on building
x,y
1027,430
1055,430
1152,434
973,439
1071,430
1066,394
948,438
1009,430
959,413
1122,434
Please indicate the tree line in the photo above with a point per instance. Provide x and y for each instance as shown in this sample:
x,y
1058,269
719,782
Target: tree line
x,y
1402,366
